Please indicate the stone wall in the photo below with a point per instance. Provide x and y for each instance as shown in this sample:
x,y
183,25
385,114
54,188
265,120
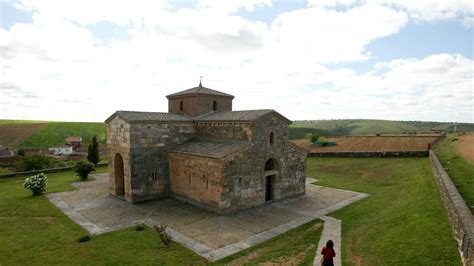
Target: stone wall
x,y
197,105
118,142
205,104
224,130
144,148
244,173
150,145
460,217
197,179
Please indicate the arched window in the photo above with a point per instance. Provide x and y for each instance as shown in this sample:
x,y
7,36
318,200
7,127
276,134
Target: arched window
x,y
181,105
270,165
272,138
214,106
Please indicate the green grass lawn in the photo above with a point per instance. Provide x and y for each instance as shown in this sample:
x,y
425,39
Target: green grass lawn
x,y
459,169
303,240
402,222
33,231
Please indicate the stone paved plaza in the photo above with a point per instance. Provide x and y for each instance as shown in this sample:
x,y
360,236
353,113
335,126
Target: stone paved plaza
x,y
212,236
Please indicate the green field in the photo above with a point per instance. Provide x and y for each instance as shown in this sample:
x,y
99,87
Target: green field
x,y
460,170
367,127
20,134
402,222
54,133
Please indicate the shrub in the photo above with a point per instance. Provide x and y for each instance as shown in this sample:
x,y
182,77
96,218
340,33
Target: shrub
x,y
139,227
83,239
36,183
164,235
311,137
35,162
21,152
83,169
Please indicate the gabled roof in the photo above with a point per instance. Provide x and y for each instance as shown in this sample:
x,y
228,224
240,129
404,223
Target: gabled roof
x,y
132,116
199,90
73,139
247,115
213,149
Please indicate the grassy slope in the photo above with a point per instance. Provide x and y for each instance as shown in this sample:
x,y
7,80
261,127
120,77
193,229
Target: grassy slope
x,y
403,222
459,169
54,134
33,231
367,126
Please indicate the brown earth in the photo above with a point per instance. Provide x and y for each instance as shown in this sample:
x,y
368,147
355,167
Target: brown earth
x,y
372,143
466,147
12,135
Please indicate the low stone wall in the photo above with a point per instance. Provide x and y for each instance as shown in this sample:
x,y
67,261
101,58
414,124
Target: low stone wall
x,y
460,217
371,154
49,170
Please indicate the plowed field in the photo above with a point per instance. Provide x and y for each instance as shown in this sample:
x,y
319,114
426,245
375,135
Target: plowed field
x,y
14,134
372,144
466,147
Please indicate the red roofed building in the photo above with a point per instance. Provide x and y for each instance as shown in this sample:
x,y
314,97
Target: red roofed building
x,y
74,141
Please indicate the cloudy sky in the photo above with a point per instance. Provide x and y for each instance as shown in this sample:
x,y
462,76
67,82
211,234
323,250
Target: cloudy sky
x,y
317,59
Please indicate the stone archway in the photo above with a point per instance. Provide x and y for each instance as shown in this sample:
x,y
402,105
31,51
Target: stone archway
x,y
270,174
119,178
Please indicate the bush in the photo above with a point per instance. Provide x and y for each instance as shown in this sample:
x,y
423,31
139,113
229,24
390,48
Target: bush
x,y
164,235
21,152
83,169
139,227
83,239
311,137
36,183
35,162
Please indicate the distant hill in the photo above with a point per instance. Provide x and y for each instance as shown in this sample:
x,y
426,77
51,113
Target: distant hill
x,y
345,127
44,134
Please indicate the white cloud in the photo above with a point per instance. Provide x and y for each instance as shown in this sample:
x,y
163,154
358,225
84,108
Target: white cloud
x,y
55,69
423,11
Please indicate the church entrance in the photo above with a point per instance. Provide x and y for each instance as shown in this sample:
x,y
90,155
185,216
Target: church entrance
x,y
269,188
119,175
270,173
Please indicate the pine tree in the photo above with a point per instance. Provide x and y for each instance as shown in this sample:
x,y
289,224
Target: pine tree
x,y
93,152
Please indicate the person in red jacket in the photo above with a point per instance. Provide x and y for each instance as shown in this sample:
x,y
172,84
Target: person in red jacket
x,y
328,254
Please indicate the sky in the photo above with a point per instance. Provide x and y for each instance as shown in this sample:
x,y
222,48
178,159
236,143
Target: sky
x,y
316,59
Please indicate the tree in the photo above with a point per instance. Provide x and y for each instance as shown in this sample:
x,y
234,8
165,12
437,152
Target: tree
x,y
21,152
93,152
83,169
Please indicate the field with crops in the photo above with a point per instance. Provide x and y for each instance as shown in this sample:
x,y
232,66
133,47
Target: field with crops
x,y
358,127
43,134
372,143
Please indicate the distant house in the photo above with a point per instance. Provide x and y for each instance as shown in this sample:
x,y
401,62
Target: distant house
x,y
61,150
7,155
74,141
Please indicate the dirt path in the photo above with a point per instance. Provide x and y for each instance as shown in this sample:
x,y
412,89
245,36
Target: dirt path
x,y
466,147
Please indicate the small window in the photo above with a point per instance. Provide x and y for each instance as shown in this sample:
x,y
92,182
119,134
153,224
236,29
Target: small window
x,y
214,106
181,105
272,138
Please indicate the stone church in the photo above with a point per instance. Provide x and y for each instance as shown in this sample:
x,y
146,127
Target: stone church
x,y
203,153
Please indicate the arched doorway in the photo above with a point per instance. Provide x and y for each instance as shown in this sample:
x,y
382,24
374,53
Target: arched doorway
x,y
119,175
270,173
